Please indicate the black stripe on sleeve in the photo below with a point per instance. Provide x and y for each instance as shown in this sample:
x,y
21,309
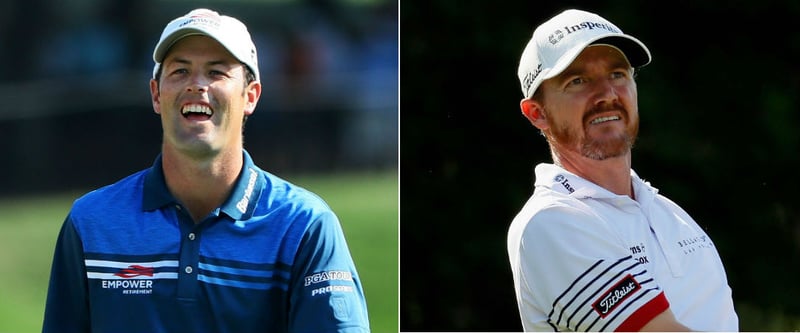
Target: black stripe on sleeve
x,y
600,289
573,285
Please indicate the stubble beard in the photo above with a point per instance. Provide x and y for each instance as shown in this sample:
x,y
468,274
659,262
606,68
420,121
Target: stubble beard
x,y
595,148
602,149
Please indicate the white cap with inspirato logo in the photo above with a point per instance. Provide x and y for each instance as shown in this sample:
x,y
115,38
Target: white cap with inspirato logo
x,y
226,30
557,42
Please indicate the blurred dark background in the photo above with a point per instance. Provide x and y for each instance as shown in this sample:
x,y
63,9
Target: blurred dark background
x,y
719,136
76,108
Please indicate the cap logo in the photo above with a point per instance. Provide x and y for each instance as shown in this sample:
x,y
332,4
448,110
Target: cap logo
x,y
204,19
558,35
555,36
527,81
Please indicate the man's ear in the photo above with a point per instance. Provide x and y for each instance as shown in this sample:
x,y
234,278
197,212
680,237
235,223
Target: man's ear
x,y
155,96
534,111
253,93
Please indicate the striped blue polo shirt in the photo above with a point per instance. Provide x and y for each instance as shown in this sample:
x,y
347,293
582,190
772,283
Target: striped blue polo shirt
x,y
272,258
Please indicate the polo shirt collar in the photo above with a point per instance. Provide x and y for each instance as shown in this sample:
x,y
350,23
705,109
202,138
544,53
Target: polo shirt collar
x,y
560,180
240,204
154,192
246,191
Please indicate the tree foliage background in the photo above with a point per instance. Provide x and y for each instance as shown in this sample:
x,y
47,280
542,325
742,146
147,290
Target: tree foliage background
x,y
718,135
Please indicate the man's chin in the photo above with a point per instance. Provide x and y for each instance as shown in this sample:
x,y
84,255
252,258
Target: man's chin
x,y
605,150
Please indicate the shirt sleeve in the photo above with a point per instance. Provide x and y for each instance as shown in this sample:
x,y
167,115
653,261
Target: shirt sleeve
x,y
67,304
328,296
577,275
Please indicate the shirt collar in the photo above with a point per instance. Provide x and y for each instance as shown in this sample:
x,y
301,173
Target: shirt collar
x,y
560,180
246,191
240,204
155,192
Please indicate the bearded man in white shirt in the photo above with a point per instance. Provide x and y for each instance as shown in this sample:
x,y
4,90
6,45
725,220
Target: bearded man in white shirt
x,y
596,248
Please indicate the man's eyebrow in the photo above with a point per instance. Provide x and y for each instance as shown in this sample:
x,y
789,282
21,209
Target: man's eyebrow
x,y
181,61
220,62
209,63
572,71
621,63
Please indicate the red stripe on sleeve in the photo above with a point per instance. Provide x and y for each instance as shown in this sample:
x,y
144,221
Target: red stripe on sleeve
x,y
644,314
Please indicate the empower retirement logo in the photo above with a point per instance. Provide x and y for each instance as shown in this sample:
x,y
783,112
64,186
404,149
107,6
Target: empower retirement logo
x,y
130,278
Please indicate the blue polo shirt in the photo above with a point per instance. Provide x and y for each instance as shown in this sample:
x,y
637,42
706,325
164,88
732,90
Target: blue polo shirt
x,y
272,258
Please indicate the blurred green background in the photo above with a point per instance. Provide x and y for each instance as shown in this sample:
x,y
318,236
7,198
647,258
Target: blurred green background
x,y
366,203
77,115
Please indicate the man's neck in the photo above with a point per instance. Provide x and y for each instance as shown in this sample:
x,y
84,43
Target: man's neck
x,y
201,184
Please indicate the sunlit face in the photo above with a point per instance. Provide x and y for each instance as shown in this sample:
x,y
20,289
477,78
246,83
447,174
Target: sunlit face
x,y
202,97
591,107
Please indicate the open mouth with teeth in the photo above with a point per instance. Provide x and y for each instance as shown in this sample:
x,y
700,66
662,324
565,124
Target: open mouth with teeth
x,y
601,120
197,112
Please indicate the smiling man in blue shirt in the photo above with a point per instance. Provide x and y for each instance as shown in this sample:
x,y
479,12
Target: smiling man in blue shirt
x,y
204,240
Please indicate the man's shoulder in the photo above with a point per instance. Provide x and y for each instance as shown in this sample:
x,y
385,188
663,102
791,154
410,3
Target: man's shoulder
x,y
119,193
551,213
280,193
546,201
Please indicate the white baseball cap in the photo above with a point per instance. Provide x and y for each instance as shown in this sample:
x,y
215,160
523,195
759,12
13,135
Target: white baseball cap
x,y
226,30
557,42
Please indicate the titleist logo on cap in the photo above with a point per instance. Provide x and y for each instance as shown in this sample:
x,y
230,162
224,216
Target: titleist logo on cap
x,y
558,35
531,76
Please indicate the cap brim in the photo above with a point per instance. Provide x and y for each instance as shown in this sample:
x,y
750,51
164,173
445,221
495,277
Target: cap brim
x,y
637,54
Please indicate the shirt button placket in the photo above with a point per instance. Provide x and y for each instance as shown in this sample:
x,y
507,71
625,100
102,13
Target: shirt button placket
x,y
189,257
191,236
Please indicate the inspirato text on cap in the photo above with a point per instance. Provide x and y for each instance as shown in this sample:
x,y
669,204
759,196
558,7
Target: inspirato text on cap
x,y
558,41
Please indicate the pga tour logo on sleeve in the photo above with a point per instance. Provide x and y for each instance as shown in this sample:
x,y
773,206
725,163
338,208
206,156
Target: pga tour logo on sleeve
x,y
329,276
613,297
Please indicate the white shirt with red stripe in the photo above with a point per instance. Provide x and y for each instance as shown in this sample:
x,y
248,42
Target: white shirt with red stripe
x,y
586,259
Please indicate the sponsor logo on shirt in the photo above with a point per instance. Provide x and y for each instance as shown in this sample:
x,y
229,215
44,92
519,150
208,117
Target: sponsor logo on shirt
x,y
329,289
329,276
134,270
248,191
613,297
564,182
638,253
136,280
692,244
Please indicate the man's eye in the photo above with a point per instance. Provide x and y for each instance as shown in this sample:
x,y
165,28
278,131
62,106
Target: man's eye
x,y
575,81
619,74
180,71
